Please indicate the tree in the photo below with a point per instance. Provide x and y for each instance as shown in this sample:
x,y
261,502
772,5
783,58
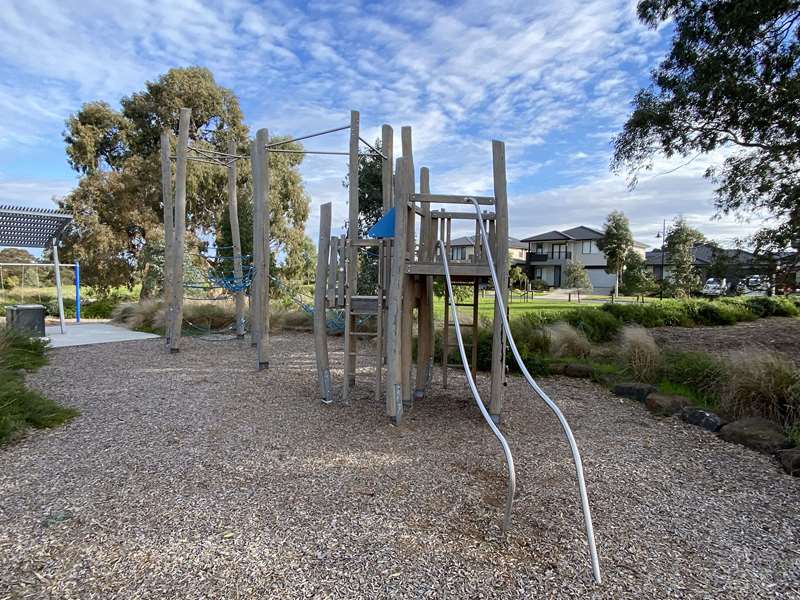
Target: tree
x,y
617,241
517,276
370,210
679,248
15,255
636,278
731,81
577,277
117,232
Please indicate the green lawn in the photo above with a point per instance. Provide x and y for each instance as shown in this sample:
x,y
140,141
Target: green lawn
x,y
517,308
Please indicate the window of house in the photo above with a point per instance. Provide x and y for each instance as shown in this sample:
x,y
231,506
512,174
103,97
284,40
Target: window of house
x,y
588,247
458,253
537,272
539,248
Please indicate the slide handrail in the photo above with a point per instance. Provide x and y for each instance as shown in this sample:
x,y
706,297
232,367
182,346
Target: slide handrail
x,y
512,480
576,457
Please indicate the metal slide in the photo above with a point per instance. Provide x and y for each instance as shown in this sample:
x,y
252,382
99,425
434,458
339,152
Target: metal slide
x,y
512,481
576,457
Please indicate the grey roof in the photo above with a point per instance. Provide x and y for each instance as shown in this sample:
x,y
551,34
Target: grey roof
x,y
579,233
547,237
704,255
23,227
469,240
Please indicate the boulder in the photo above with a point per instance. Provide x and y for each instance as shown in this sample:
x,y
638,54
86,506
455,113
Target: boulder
x,y
790,459
665,404
579,370
634,391
756,433
702,418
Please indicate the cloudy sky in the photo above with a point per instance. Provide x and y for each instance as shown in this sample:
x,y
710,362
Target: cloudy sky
x,y
553,79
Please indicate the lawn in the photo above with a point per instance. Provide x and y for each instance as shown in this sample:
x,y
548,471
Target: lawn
x,y
515,309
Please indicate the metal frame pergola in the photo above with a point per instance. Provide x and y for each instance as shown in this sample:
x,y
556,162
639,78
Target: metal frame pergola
x,y
22,227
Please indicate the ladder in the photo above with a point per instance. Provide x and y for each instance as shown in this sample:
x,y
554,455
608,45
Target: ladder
x,y
363,309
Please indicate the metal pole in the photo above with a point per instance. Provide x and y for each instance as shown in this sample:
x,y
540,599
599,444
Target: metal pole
x,y
576,457
77,292
59,293
305,137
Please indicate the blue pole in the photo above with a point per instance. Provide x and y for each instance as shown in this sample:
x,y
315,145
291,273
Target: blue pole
x,y
77,292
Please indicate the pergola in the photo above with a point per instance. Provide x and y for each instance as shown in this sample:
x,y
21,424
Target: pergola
x,y
22,227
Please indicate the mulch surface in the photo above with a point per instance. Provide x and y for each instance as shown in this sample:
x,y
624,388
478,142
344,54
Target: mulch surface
x,y
195,476
781,334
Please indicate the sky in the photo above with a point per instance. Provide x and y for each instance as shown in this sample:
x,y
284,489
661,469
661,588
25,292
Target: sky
x,y
552,79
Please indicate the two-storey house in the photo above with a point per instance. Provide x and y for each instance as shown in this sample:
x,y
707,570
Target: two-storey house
x,y
549,252
463,249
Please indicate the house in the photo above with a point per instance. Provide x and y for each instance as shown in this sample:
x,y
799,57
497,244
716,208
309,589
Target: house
x,y
549,252
463,249
734,264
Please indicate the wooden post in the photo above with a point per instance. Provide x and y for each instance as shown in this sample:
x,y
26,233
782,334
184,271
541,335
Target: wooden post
x,y
320,322
168,202
233,216
387,146
394,363
333,271
409,288
425,311
180,228
501,266
255,286
385,251
350,342
261,244
59,293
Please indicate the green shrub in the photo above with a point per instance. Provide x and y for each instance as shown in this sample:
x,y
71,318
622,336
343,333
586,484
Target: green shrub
x,y
534,362
771,306
51,307
21,407
99,309
530,335
565,340
596,325
652,314
698,371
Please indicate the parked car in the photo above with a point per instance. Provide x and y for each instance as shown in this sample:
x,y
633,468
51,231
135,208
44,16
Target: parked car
x,y
715,287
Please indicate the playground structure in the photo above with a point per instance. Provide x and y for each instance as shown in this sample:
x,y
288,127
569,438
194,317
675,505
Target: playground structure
x,y
412,246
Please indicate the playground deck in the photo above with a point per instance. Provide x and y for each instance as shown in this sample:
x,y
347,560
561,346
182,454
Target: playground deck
x,y
200,477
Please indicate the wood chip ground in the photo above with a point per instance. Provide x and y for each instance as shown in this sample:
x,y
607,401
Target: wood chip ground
x,y
193,476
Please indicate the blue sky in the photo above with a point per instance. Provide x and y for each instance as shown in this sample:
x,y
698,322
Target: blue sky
x,y
552,79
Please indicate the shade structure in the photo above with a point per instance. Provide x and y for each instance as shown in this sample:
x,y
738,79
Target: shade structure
x,y
22,227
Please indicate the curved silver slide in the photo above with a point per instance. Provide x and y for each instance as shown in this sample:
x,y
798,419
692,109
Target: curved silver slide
x,y
512,479
576,457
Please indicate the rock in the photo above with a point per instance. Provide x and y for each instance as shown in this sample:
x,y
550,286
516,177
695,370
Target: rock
x,y
756,433
665,404
790,459
702,418
578,370
634,391
557,368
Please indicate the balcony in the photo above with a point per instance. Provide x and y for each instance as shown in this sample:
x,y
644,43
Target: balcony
x,y
557,257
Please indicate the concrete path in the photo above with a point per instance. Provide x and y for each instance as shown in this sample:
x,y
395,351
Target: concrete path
x,y
92,333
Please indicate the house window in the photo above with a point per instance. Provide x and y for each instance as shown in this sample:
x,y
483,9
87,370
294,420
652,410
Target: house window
x,y
537,273
588,247
539,248
458,253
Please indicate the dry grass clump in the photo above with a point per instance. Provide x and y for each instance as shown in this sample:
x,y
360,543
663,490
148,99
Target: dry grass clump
x,y
295,320
565,340
762,383
640,353
139,315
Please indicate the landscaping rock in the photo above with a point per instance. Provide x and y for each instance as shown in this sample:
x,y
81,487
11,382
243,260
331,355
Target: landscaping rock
x,y
579,370
702,418
790,459
665,404
756,433
634,391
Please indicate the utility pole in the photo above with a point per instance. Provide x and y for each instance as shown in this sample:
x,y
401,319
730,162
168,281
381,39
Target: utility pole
x,y
663,236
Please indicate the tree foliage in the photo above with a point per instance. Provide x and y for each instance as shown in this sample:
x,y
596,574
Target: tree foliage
x,y
679,248
636,277
576,277
729,82
117,206
617,241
